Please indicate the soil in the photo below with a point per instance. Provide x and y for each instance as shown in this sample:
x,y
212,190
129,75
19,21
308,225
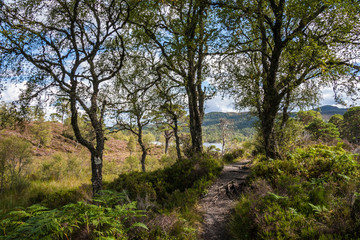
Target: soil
x,y
217,205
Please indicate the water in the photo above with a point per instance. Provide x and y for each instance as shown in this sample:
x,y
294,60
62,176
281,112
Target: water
x,y
217,145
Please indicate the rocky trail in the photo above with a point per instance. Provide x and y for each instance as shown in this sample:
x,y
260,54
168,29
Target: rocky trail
x,y
216,206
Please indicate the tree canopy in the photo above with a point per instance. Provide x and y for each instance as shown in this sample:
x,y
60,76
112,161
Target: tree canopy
x,y
282,52
135,58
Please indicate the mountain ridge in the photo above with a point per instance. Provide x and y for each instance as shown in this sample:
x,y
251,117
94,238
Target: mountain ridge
x,y
246,120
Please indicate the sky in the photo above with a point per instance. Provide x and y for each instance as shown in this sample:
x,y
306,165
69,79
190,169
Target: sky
x,y
220,104
216,104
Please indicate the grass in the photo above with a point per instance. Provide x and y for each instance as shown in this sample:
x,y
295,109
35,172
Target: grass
x,y
312,194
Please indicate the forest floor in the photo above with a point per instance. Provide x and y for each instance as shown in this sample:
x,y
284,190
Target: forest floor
x,y
217,205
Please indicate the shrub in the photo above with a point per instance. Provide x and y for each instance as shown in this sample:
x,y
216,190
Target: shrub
x,y
230,157
312,194
148,139
60,165
15,155
131,145
132,163
166,160
42,132
120,136
323,131
172,182
110,218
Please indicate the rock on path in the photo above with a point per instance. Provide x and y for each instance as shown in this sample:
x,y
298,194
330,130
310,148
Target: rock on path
x,y
216,206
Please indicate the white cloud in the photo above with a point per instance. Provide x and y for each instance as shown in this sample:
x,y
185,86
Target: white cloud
x,y
12,91
219,104
226,104
328,98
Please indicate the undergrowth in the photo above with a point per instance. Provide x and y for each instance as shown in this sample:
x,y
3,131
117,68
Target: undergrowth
x,y
313,194
170,194
110,217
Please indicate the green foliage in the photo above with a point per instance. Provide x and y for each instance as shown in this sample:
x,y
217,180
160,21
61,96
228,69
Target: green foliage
x,y
42,132
323,131
10,116
308,116
15,155
132,163
58,198
351,127
337,120
148,139
305,196
110,218
85,128
60,166
176,186
288,136
120,136
231,156
131,145
167,160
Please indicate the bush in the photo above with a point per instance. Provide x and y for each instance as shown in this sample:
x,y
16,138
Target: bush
x,y
172,182
132,163
312,194
61,198
15,155
323,131
42,132
59,166
230,157
167,161
110,218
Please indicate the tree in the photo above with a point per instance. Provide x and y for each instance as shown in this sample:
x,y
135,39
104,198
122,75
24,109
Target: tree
x,y
71,48
42,132
170,112
321,130
11,116
224,126
131,145
133,117
62,109
308,116
15,154
338,121
179,32
351,125
279,49
133,101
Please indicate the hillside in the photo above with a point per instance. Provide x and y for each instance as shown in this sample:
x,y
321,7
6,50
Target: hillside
x,y
327,111
246,120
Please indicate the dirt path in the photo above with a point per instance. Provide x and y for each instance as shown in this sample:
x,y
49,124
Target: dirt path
x,y
217,204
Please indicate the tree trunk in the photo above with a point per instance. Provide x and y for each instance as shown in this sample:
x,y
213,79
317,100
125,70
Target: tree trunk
x,y
177,138
223,146
267,117
166,144
195,120
143,157
167,134
143,149
96,169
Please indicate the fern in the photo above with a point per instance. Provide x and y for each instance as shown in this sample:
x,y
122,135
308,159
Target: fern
x,y
318,209
275,196
110,221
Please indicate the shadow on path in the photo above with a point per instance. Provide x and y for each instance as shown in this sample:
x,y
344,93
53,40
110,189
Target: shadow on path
x,y
217,205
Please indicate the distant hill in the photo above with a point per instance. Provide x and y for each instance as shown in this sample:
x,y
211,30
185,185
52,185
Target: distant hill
x,y
327,111
239,120
246,120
